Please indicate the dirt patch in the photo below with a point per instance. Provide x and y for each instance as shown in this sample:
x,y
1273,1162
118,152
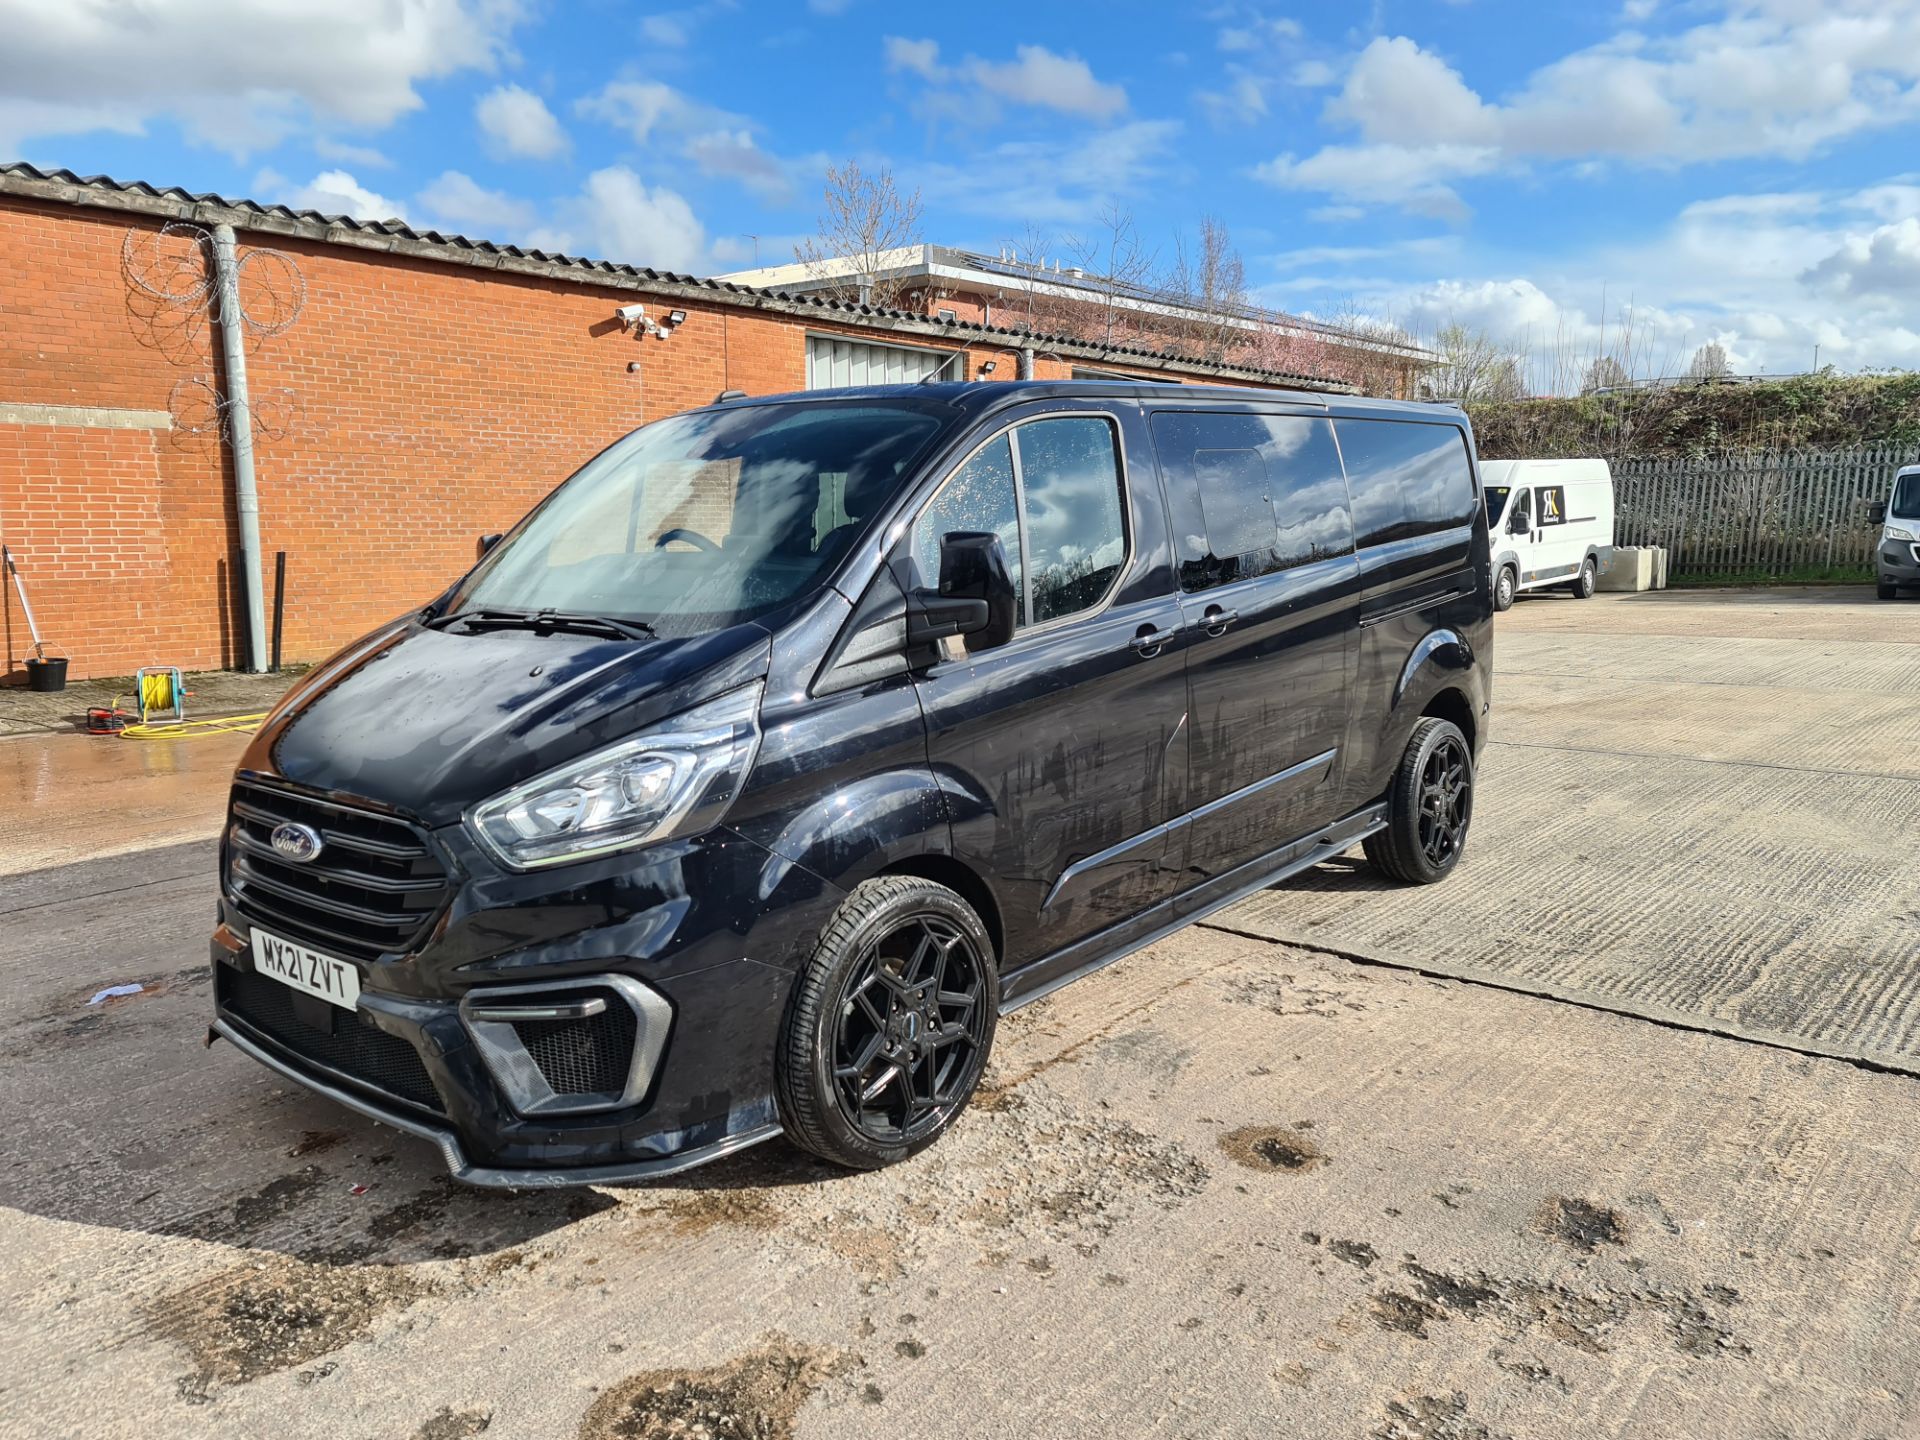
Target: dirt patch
x,y
699,1211
1581,1223
1395,1310
1273,1147
1431,1417
1287,996
314,1142
241,1219
1354,1252
756,1397
450,1424
257,1319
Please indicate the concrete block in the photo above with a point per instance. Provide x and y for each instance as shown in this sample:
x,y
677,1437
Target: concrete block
x,y
1632,569
1659,567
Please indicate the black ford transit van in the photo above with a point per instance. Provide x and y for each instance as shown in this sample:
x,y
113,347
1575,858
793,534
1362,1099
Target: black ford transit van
x,y
743,785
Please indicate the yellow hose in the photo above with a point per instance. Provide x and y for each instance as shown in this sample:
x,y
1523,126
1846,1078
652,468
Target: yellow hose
x,y
194,729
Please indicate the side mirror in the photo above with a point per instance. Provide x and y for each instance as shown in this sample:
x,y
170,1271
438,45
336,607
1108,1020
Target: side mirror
x,y
1520,524
1876,512
975,598
485,543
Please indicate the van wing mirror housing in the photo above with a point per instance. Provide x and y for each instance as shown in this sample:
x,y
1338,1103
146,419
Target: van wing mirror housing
x,y
485,543
1876,512
975,598
1520,524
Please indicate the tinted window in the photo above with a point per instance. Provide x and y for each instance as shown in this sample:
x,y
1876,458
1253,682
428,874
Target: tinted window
x,y
977,496
1270,489
1407,479
1906,498
1497,500
1076,539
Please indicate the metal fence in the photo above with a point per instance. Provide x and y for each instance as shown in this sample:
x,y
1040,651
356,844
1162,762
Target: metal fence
x,y
1768,513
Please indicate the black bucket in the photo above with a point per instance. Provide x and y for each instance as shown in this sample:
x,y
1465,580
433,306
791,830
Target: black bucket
x,y
47,674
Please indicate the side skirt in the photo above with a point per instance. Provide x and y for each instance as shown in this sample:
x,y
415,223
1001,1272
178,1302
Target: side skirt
x,y
1044,976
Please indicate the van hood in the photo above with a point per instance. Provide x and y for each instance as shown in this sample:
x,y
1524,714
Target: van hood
x,y
430,722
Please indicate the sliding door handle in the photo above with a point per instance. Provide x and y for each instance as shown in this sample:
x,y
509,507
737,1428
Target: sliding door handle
x,y
1216,620
1149,641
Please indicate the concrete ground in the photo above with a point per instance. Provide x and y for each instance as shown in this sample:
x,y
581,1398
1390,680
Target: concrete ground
x,y
64,712
1251,1181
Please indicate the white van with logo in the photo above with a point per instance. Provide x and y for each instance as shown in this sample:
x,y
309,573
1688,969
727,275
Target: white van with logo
x,y
1551,524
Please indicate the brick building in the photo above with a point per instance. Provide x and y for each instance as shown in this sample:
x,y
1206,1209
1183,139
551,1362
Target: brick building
x,y
428,388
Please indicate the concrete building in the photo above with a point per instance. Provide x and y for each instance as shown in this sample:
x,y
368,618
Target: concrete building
x,y
410,391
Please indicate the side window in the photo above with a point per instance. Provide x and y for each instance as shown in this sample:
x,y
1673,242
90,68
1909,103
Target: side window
x,y
1271,493
1070,489
1407,478
977,496
1523,508
1066,554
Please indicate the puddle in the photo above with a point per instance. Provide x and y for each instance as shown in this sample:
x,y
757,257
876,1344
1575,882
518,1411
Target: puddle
x,y
756,1397
1273,1147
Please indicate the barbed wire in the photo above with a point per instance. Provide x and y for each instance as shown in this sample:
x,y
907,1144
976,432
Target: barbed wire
x,y
176,291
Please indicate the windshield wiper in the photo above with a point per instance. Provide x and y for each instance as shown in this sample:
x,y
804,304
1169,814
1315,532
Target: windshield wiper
x,y
547,622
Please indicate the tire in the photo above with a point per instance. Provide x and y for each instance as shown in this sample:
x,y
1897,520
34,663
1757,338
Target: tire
x,y
1887,590
1505,584
1412,849
1586,581
885,979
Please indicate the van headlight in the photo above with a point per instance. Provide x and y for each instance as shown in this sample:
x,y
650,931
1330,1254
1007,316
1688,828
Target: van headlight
x,y
1902,532
676,779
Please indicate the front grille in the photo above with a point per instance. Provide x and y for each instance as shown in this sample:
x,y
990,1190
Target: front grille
x,y
373,891
584,1057
354,1047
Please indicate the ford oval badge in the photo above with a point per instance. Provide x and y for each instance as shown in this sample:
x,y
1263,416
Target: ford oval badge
x,y
298,843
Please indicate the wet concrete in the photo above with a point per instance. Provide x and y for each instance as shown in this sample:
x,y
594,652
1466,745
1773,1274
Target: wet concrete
x,y
1526,1218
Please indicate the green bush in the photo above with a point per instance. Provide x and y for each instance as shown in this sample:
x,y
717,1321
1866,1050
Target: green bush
x,y
1686,417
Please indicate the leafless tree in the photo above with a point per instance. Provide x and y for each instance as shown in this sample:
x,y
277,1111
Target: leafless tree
x,y
866,218
1118,268
1710,362
1031,298
1606,372
1210,278
1472,366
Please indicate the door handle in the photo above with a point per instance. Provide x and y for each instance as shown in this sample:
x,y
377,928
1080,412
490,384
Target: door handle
x,y
1217,620
1148,642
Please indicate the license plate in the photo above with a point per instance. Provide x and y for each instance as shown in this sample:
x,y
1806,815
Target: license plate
x,y
332,980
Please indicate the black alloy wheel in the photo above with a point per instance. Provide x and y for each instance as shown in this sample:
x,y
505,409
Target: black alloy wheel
x,y
891,1024
1429,806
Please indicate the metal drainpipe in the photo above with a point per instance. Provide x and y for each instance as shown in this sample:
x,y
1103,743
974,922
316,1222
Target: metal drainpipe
x,y
1025,372
246,495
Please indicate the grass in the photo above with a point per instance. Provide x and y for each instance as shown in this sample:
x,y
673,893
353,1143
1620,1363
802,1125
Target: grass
x,y
1797,575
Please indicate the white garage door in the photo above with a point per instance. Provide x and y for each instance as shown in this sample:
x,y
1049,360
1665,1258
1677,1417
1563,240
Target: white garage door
x,y
832,363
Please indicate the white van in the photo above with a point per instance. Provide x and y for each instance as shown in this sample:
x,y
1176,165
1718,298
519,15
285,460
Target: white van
x,y
1551,523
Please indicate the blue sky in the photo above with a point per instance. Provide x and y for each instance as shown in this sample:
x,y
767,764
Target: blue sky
x,y
1745,172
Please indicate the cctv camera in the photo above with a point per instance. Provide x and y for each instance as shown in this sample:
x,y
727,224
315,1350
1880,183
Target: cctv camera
x,y
631,315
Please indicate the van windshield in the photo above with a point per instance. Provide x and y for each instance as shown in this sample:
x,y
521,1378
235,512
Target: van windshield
x,y
1497,501
705,520
1906,498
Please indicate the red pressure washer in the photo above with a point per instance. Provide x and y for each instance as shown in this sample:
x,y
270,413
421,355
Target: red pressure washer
x,y
46,673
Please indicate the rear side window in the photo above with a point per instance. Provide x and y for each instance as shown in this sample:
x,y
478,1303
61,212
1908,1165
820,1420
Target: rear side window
x,y
1270,489
1051,490
1407,478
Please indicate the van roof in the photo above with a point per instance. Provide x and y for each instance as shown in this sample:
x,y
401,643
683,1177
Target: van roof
x,y
983,397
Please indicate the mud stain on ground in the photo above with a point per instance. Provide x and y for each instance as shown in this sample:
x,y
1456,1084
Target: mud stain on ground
x,y
756,1397
1354,1252
314,1142
450,1424
240,1219
1273,1147
1431,1417
1581,1223
273,1315
1286,996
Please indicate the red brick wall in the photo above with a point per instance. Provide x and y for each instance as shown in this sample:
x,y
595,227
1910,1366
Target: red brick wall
x,y
422,404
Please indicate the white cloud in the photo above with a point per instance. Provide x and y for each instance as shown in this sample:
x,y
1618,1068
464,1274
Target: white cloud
x,y
457,200
669,30
1414,177
1036,77
365,156
646,109
1313,75
240,77
1770,78
1054,181
331,192
733,153
1884,263
516,122
618,217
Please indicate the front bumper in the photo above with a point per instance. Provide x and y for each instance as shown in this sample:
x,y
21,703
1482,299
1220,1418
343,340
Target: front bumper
x,y
715,928
1897,562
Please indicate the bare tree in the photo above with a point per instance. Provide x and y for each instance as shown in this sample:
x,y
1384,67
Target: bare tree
x,y
1472,366
1118,268
1032,299
1710,362
1367,352
866,220
1605,373
1211,279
